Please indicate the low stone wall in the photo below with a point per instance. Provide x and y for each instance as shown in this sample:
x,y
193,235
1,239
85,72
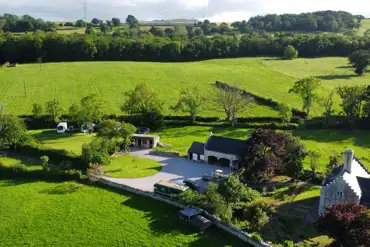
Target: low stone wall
x,y
244,236
169,154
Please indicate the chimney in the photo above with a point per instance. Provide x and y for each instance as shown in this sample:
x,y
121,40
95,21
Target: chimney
x,y
348,157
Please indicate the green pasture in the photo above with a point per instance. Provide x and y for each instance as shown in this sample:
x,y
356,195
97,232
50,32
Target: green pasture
x,y
11,160
27,84
127,166
268,77
365,25
71,214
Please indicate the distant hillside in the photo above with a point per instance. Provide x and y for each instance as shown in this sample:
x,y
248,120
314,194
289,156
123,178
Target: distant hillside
x,y
325,21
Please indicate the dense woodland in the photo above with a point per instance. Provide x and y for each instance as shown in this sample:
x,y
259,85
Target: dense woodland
x,y
327,21
53,47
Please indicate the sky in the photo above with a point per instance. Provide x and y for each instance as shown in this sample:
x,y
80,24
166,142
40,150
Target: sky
x,y
214,10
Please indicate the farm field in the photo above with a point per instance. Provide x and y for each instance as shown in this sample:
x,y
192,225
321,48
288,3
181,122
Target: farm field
x,y
27,84
10,160
71,214
127,166
69,82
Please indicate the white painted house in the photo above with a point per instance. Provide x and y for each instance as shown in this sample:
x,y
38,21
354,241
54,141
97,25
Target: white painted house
x,y
348,182
218,150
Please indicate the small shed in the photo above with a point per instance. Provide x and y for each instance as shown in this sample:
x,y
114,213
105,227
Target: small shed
x,y
145,141
193,217
196,151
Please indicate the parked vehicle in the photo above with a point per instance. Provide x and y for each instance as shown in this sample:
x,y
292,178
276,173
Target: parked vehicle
x,y
168,188
191,184
62,128
207,177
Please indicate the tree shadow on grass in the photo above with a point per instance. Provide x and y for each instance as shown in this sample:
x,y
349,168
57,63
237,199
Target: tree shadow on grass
x,y
292,220
61,189
164,219
335,77
360,138
13,182
47,135
345,67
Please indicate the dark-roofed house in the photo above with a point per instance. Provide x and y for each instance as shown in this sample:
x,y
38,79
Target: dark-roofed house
x,y
218,150
348,182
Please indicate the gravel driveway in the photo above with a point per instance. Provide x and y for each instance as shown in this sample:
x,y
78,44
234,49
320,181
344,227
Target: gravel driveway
x,y
174,169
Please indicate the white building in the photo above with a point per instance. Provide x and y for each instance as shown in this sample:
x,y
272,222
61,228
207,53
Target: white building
x,y
218,150
348,182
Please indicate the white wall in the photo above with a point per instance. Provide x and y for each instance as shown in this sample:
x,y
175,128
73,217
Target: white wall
x,y
218,155
329,195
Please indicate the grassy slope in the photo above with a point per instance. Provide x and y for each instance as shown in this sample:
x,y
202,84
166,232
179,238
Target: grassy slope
x,y
71,214
131,167
69,82
324,141
333,71
365,25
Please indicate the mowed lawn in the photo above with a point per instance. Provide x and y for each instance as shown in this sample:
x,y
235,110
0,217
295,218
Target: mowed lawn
x,y
323,141
72,214
71,142
127,166
69,82
11,160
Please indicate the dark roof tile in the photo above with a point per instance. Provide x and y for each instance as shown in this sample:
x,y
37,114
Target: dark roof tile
x,y
226,145
197,148
333,174
365,189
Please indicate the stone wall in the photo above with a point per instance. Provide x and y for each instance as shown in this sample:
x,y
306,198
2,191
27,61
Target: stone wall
x,y
244,236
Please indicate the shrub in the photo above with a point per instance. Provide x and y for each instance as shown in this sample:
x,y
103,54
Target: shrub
x,y
250,195
259,218
44,161
19,168
290,52
256,237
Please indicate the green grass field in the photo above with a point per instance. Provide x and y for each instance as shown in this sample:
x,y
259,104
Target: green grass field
x,y
267,77
71,142
131,167
72,214
10,160
365,25
323,141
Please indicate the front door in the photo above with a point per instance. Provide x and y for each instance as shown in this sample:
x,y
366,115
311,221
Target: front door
x,y
139,142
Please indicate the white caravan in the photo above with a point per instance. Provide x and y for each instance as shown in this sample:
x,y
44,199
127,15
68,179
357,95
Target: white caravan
x,y
62,128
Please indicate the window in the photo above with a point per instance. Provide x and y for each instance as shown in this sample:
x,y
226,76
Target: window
x,y
339,193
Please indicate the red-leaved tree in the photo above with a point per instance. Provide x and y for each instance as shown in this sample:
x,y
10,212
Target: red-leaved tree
x,y
348,223
265,153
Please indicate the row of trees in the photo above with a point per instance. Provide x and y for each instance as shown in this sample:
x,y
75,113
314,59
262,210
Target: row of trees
x,y
26,23
147,47
331,21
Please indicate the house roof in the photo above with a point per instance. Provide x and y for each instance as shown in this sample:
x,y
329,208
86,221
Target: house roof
x,y
197,148
333,174
226,145
365,189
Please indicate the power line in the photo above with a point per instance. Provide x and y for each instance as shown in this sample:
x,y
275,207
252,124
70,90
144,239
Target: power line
x,y
85,10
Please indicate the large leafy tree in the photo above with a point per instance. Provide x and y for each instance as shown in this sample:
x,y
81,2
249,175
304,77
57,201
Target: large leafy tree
x,y
89,109
295,153
290,52
348,223
360,61
116,21
54,109
231,189
122,132
265,153
145,104
13,131
191,101
352,100
306,89
132,21
98,151
232,102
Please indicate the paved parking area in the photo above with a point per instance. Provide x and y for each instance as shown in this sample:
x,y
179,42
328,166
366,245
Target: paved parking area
x,y
174,169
